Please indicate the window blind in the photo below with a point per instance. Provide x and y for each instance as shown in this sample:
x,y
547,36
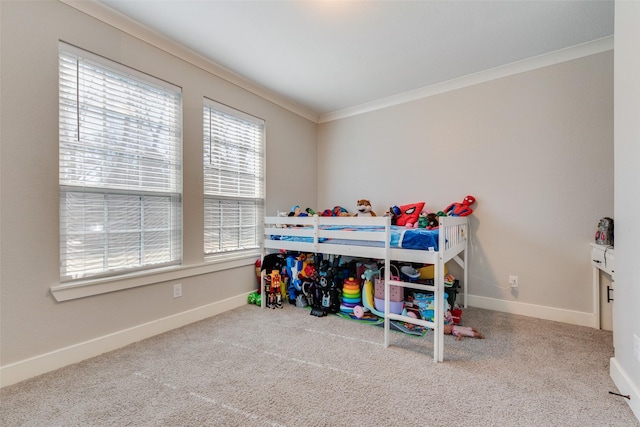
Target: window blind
x,y
120,168
233,179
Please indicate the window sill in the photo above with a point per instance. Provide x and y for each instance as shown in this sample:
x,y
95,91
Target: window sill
x,y
75,290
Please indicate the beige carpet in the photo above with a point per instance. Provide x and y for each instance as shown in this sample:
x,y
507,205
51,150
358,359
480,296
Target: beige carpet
x,y
254,367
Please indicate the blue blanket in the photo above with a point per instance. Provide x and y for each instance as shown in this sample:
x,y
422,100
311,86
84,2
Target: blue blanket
x,y
401,237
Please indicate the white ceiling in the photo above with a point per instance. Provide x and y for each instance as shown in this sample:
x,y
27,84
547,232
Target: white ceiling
x,y
330,55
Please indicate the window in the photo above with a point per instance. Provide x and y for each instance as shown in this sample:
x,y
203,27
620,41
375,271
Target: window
x,y
120,168
233,181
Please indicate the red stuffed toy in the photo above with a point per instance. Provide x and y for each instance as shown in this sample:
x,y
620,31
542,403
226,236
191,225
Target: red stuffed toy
x,y
461,209
407,215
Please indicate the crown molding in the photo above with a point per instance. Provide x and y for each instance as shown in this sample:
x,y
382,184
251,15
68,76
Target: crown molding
x,y
135,29
122,22
551,58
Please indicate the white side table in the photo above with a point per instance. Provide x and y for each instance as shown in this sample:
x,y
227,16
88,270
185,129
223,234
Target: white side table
x,y
602,259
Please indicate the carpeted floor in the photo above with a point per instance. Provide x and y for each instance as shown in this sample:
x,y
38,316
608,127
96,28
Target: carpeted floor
x,y
254,367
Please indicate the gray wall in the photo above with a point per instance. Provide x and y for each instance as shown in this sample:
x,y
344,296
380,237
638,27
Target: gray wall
x,y
32,322
534,148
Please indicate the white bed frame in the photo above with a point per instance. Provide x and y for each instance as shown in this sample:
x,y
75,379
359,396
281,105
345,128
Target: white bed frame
x,y
453,242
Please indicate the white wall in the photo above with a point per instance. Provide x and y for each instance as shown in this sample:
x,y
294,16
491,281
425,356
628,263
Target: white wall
x,y
535,149
625,366
39,333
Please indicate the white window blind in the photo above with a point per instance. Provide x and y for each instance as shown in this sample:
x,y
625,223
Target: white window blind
x,y
120,168
233,180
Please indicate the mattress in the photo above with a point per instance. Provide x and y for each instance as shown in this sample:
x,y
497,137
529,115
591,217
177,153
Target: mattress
x,y
401,237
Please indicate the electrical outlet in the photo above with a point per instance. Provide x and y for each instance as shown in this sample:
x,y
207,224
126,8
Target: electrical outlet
x,y
513,281
636,347
177,290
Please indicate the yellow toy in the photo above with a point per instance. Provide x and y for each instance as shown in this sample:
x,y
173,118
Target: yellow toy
x,y
427,271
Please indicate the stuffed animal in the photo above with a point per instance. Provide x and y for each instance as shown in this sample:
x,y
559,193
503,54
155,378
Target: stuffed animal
x,y
296,211
432,221
393,212
428,220
336,211
406,215
340,211
363,208
422,219
460,209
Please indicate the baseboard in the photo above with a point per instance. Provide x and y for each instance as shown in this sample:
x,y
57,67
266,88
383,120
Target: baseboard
x,y
625,386
28,368
531,310
34,366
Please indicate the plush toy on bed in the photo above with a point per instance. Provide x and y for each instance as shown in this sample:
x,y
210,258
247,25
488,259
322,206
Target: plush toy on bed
x,y
422,219
406,215
296,211
432,221
336,211
393,212
363,208
428,220
340,211
410,214
460,209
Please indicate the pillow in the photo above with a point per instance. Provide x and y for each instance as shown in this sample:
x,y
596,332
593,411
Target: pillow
x,y
409,214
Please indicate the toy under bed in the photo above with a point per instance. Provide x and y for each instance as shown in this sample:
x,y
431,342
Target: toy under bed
x,y
375,237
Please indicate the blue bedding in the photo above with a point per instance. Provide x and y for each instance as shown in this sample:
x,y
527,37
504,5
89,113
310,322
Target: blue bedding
x,y
401,237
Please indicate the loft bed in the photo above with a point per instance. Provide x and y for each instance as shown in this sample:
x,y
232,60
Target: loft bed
x,y
375,237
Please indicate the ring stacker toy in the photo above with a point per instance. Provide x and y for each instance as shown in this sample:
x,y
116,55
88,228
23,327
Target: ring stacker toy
x,y
351,295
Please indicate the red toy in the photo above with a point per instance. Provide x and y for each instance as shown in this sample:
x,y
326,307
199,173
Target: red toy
x,y
461,209
336,211
407,215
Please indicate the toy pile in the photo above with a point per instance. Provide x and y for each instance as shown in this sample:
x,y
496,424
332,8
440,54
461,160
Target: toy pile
x,y
329,287
412,215
302,279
